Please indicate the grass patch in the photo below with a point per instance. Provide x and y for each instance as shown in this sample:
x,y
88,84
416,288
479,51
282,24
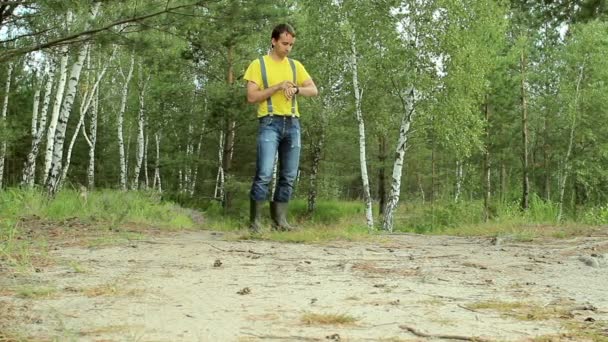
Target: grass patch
x,y
30,221
525,311
579,331
327,319
29,292
111,290
109,206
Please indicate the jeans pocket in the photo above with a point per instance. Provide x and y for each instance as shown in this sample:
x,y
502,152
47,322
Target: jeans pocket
x,y
265,120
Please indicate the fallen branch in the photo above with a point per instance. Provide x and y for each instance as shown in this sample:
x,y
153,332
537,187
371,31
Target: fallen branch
x,y
440,336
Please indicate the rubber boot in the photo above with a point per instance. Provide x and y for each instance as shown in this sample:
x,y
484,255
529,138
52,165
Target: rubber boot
x,y
255,216
278,213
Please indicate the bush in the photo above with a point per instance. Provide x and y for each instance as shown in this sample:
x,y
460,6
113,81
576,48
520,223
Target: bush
x,y
596,215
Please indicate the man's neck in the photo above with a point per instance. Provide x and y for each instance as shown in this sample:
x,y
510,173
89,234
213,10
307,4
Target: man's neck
x,y
276,57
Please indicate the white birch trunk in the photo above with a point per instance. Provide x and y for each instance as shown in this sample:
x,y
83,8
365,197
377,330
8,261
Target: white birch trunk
x,y
362,155
459,179
146,179
3,122
195,161
87,99
157,183
92,141
53,179
50,135
188,159
180,176
120,123
141,122
566,163
393,197
219,181
39,119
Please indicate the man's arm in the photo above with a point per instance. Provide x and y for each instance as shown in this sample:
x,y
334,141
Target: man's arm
x,y
308,88
256,95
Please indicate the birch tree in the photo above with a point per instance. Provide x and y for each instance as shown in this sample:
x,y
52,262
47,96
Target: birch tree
x,y
3,125
141,123
395,190
583,92
38,127
367,198
156,184
92,140
87,98
60,90
53,179
120,122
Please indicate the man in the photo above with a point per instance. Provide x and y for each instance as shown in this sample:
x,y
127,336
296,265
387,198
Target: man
x,y
274,81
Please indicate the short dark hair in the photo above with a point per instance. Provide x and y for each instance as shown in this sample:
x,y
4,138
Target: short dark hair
x,y
282,28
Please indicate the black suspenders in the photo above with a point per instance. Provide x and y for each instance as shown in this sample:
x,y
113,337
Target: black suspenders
x,y
265,80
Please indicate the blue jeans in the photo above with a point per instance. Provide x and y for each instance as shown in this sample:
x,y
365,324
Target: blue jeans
x,y
282,134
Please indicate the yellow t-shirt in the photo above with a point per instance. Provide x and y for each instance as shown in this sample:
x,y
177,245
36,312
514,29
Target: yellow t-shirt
x,y
276,72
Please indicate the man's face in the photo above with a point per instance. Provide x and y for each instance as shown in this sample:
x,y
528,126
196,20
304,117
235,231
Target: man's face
x,y
283,45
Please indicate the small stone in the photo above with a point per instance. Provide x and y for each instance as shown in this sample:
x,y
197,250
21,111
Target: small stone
x,y
333,337
244,291
590,261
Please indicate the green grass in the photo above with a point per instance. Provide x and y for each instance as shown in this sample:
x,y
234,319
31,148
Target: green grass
x,y
29,292
327,319
28,218
111,206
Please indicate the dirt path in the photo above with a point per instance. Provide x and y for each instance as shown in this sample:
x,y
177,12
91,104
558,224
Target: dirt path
x,y
196,286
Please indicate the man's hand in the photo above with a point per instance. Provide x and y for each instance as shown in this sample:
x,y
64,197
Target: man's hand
x,y
284,85
290,92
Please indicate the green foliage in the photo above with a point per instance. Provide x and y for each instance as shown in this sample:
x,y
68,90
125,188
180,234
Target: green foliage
x,y
420,218
596,215
110,206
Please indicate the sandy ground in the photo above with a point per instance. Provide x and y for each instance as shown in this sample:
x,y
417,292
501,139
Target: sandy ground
x,y
199,286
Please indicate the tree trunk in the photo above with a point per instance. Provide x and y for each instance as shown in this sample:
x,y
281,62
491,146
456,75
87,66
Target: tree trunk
x,y
487,166
546,159
146,178
524,131
383,150
3,122
459,180
566,164
120,124
230,136
92,141
188,161
50,135
362,155
87,99
219,182
317,147
157,183
195,161
422,195
141,122
393,197
53,179
504,178
38,126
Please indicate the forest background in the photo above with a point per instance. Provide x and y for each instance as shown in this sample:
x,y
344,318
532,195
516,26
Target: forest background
x,y
432,113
